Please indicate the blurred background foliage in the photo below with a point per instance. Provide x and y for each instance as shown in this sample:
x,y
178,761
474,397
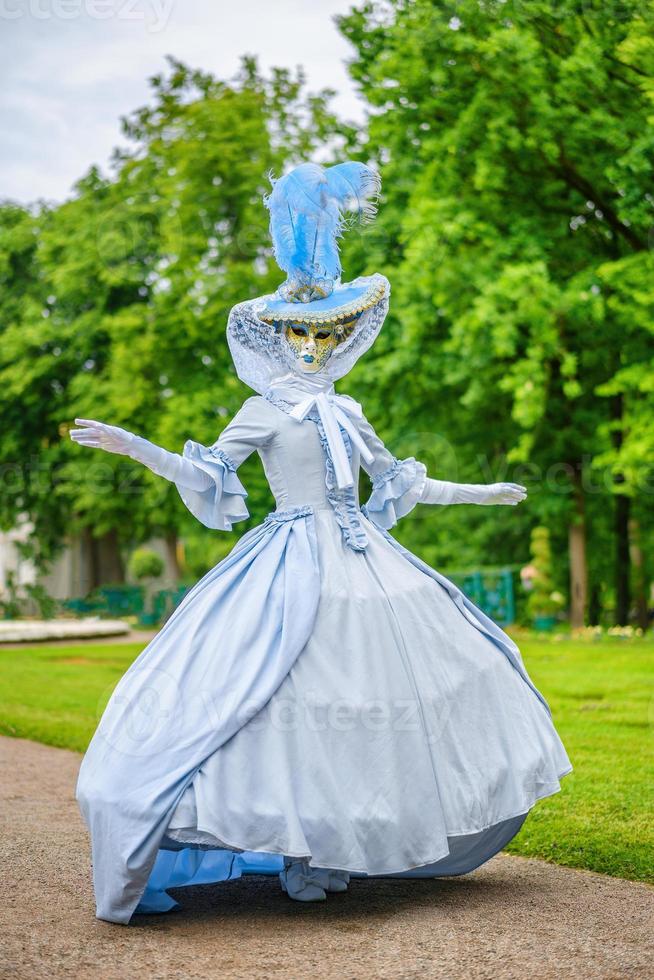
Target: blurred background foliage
x,y
515,143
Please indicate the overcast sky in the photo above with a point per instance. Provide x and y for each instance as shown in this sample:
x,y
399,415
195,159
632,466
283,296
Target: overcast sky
x,y
70,68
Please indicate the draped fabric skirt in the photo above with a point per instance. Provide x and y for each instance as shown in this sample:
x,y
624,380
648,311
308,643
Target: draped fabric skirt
x,y
306,699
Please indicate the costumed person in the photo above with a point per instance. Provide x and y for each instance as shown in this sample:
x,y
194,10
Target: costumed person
x,y
322,704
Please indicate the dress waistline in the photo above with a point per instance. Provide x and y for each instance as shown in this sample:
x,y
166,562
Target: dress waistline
x,y
293,513
289,514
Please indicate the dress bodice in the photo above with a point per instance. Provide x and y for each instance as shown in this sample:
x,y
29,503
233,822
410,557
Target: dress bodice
x,y
297,461
294,460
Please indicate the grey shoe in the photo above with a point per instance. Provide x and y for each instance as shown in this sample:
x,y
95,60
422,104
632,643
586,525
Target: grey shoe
x,y
331,879
299,882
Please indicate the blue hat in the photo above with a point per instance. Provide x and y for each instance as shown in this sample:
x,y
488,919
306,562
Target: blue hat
x,y
345,304
310,208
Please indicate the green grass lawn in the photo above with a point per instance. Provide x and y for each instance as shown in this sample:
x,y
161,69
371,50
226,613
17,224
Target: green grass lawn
x,y
602,699
600,694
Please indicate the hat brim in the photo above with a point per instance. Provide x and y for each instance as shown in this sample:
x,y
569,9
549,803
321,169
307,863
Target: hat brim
x,y
345,302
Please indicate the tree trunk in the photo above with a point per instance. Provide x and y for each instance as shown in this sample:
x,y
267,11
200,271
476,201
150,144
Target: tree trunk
x,y
594,605
578,563
174,550
106,560
621,527
622,560
640,583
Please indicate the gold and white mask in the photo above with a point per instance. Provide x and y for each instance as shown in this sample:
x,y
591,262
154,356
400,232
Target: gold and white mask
x,y
312,344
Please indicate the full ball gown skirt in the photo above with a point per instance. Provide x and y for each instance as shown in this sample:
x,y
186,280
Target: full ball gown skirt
x,y
320,693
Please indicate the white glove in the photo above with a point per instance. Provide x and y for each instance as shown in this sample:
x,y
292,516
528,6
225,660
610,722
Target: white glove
x,y
442,492
113,439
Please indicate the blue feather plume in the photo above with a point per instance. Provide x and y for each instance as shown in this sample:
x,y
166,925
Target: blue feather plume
x,y
308,214
356,188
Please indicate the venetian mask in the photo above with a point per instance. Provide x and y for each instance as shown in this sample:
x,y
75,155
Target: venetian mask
x,y
312,345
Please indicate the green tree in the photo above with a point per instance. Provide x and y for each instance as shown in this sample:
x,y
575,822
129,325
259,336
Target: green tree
x,y
127,288
517,151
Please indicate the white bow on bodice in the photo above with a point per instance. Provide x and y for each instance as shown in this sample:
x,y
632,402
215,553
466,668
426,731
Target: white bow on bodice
x,y
336,411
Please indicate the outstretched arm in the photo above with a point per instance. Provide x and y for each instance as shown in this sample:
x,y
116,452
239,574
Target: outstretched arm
x,y
443,492
113,439
400,484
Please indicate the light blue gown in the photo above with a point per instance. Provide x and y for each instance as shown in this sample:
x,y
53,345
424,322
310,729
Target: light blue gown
x,y
320,693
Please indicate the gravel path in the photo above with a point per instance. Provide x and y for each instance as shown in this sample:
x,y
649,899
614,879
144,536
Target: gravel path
x,y
514,918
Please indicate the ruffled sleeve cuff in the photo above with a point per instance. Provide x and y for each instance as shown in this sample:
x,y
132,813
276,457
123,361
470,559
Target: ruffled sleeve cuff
x,y
396,491
222,503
